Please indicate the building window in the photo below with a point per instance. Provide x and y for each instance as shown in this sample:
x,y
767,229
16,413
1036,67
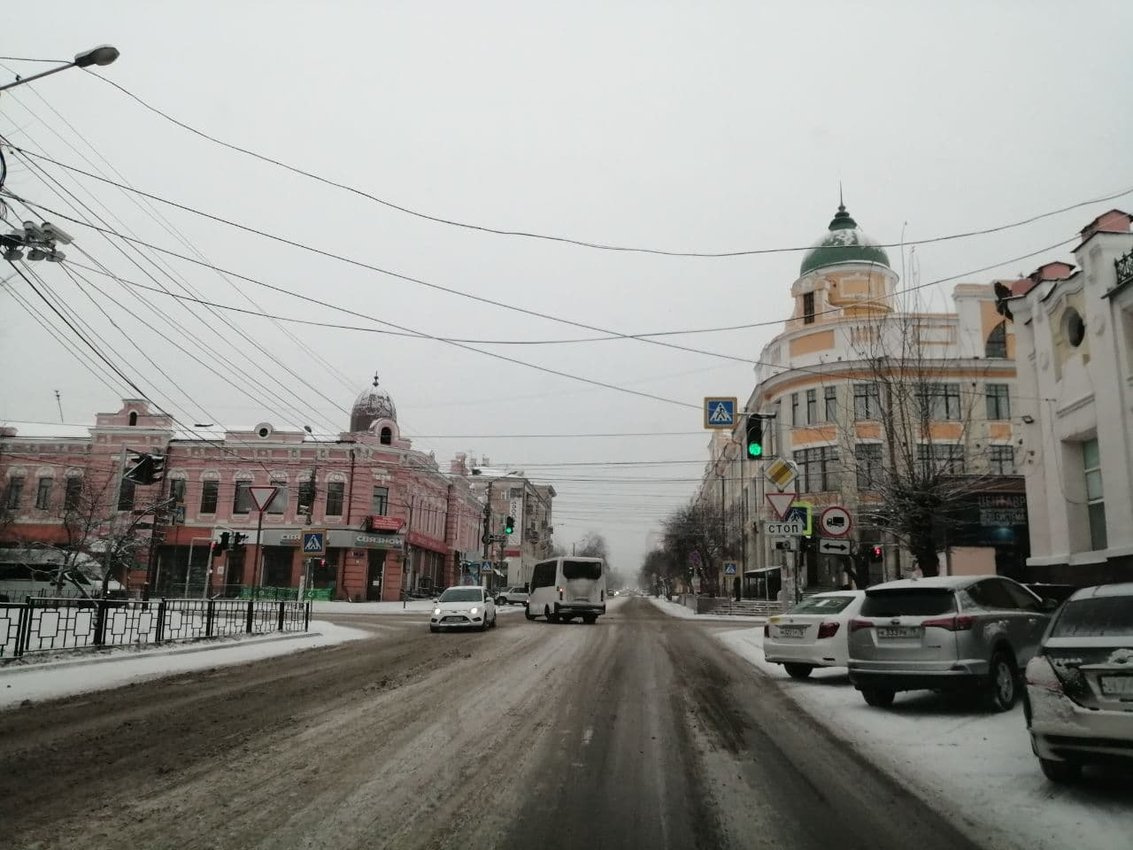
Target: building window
x,y
379,502
937,402
808,308
15,492
998,401
1074,326
210,491
43,494
73,493
811,406
177,490
818,469
996,345
307,493
941,458
242,498
335,492
278,503
831,398
795,409
867,402
1095,497
1001,460
386,437
867,457
126,495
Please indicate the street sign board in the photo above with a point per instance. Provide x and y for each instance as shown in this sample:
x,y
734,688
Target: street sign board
x,y
835,521
719,412
781,472
794,527
833,546
781,503
262,496
802,512
497,538
729,568
315,543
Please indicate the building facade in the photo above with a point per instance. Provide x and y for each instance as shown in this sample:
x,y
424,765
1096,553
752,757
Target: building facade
x,y
511,493
395,523
1075,333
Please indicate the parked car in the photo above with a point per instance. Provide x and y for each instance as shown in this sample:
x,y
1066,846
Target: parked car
x,y
463,608
1079,695
813,633
510,595
967,634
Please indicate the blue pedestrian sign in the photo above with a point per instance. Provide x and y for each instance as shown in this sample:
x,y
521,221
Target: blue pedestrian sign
x,y
729,568
719,412
314,544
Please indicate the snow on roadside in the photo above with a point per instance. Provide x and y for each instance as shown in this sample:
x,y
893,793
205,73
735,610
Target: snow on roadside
x,y
96,671
980,763
418,607
676,609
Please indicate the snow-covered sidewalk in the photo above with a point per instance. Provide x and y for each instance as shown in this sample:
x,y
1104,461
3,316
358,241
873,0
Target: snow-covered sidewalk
x,y
90,671
676,609
976,768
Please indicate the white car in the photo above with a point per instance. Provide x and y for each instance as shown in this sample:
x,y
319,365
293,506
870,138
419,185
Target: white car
x,y
1079,696
516,594
463,608
812,634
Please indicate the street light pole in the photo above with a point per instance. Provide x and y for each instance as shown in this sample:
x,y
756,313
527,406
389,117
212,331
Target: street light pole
x,y
102,55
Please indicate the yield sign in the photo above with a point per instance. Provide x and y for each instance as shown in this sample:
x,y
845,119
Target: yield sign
x,y
262,496
781,503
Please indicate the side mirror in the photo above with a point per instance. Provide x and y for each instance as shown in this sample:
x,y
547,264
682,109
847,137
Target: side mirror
x,y
435,601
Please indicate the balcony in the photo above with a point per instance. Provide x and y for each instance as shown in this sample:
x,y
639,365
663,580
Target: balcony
x,y
1124,268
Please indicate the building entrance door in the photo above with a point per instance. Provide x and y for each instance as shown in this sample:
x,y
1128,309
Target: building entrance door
x,y
374,574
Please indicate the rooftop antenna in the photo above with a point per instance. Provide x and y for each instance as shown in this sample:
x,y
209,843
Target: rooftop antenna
x,y
59,404
841,203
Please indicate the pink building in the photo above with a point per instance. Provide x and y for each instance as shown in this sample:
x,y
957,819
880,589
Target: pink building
x,y
394,520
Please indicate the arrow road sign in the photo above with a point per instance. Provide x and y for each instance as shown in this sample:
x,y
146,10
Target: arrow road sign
x,y
834,547
262,496
719,412
314,543
781,503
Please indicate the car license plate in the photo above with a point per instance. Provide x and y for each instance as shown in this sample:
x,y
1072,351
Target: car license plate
x,y
897,632
1117,686
792,631
453,620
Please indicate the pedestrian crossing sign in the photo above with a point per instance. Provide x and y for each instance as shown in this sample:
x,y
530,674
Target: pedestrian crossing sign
x,y
314,544
719,412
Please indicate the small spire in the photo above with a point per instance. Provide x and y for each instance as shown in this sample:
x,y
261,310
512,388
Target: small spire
x,y
375,379
841,203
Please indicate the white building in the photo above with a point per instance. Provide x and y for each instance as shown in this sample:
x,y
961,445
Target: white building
x,y
1075,343
509,493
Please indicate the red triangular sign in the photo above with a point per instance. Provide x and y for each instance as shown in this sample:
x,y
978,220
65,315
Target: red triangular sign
x,y
262,496
781,503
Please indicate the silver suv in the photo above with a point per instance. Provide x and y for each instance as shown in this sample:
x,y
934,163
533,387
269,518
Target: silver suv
x,y
512,595
969,634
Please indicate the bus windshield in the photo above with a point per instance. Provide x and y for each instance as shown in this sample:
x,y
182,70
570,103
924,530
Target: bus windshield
x,y
582,569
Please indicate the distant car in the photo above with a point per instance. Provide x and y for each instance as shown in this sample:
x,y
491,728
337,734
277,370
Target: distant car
x,y
968,634
1079,694
812,634
512,595
463,608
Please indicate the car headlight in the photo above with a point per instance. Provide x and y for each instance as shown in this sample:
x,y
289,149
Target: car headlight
x,y
436,612
474,611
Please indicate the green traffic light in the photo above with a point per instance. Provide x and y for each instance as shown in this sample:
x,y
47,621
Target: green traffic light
x,y
754,450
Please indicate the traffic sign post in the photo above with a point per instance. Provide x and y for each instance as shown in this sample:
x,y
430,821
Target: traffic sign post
x,y
781,473
262,497
835,521
793,527
834,546
720,412
315,543
729,568
781,503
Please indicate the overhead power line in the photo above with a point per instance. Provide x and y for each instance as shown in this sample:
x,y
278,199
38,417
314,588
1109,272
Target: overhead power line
x,y
602,246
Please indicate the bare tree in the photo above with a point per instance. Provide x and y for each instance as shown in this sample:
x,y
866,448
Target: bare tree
x,y
697,539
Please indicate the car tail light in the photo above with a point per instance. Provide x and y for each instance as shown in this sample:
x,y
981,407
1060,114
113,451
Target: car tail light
x,y
560,594
827,630
857,624
958,623
766,630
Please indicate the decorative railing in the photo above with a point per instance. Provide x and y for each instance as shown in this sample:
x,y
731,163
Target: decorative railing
x,y
1124,268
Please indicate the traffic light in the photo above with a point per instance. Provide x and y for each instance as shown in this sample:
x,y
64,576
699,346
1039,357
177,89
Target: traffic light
x,y
509,525
754,435
237,539
220,545
147,469
875,554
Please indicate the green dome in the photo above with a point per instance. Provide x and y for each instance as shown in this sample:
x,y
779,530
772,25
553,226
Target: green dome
x,y
845,243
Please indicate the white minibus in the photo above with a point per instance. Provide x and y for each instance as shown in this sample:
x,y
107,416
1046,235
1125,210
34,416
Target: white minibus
x,y
567,587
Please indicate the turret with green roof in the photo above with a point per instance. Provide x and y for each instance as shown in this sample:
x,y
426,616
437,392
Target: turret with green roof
x,y
845,243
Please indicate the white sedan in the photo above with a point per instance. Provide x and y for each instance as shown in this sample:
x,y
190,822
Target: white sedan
x,y
463,608
812,634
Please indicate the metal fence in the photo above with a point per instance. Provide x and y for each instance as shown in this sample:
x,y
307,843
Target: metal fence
x,y
45,625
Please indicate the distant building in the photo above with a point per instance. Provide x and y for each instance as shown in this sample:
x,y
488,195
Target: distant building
x,y
1075,340
511,493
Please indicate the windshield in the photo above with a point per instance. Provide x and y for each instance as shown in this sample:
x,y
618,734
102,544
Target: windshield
x,y
1097,617
915,602
462,594
822,605
582,569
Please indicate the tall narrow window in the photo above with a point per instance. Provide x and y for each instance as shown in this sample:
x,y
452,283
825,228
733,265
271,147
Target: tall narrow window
x,y
795,409
307,492
43,494
126,494
811,406
867,402
998,402
279,500
867,459
15,492
177,490
831,399
210,490
1001,460
242,498
997,341
808,308
379,502
386,436
1095,496
133,417
73,494
335,492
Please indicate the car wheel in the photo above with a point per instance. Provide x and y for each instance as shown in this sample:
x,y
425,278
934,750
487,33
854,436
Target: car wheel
x,y
551,618
493,622
484,625
590,619
527,613
433,629
798,671
878,697
1003,684
1060,771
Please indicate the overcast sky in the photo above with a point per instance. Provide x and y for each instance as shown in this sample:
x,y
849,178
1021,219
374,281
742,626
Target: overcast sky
x,y
702,127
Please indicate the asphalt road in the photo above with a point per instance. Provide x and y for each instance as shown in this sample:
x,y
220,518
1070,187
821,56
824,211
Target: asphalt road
x,y
638,732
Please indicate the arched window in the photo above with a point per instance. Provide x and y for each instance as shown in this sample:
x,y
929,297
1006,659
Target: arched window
x,y
133,417
387,436
997,341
